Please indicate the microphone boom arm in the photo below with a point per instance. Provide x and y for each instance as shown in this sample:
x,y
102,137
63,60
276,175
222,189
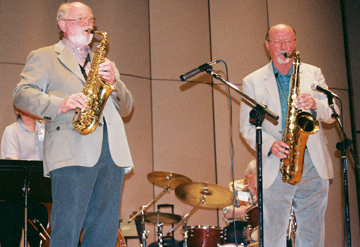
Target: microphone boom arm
x,y
248,98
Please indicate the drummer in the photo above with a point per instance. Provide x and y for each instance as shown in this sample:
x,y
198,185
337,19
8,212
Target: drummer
x,y
246,193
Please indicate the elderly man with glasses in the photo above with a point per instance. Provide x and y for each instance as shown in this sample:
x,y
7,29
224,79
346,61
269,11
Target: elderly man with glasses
x,y
270,85
86,171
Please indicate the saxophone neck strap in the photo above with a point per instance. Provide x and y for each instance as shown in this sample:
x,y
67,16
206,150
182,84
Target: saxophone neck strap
x,y
82,68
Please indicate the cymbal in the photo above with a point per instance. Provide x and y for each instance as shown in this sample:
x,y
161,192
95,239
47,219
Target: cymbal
x,y
162,178
216,195
165,218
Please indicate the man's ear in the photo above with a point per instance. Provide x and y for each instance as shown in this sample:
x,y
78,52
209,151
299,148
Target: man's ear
x,y
62,25
267,44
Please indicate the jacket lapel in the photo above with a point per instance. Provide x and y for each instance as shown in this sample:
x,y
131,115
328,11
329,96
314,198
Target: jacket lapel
x,y
272,88
68,60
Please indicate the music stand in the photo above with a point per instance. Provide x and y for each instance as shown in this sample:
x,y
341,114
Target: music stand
x,y
23,181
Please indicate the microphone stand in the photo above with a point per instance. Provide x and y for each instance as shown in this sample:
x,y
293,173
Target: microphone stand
x,y
26,189
258,114
342,146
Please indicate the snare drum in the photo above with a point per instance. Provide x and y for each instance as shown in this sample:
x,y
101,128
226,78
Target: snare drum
x,y
205,236
252,216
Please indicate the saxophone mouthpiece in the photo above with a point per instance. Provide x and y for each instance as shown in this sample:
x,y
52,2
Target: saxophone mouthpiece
x,y
90,30
286,54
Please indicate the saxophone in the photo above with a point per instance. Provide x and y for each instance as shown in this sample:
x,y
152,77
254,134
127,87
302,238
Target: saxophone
x,y
298,126
96,90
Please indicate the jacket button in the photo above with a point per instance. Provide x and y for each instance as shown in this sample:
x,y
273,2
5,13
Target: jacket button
x,y
100,124
58,128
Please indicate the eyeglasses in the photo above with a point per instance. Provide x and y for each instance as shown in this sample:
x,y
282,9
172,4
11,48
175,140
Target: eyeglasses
x,y
287,42
81,20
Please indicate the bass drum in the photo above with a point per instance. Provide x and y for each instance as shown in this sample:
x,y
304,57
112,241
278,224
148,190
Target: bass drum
x,y
205,236
252,216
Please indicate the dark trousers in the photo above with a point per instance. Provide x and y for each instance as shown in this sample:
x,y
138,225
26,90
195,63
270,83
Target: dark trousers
x,y
88,198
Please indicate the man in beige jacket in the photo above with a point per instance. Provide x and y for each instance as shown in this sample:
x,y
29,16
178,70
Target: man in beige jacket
x,y
270,86
86,171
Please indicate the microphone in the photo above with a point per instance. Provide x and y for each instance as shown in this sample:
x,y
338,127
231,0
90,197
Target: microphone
x,y
316,86
196,71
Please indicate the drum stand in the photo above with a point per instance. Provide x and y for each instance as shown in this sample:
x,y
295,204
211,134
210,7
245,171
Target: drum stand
x,y
160,234
202,201
142,211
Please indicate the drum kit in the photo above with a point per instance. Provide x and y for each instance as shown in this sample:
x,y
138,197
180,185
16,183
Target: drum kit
x,y
197,194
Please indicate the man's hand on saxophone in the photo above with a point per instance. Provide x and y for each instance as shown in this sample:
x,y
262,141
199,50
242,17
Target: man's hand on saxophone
x,y
72,102
107,72
305,101
280,149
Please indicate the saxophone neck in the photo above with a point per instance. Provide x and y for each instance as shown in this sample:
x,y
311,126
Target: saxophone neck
x,y
92,31
292,54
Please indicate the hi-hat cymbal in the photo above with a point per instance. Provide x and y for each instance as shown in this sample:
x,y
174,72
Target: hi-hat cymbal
x,y
171,179
216,195
156,217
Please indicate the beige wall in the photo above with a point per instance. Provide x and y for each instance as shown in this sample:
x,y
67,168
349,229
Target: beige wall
x,y
184,127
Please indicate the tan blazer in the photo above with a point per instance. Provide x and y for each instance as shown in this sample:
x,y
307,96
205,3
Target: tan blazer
x,y
50,75
261,85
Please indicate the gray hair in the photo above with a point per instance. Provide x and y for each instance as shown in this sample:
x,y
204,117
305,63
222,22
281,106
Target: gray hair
x,y
251,168
61,14
62,10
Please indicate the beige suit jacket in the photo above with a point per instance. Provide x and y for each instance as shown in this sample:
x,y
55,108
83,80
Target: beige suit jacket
x,y
261,85
50,75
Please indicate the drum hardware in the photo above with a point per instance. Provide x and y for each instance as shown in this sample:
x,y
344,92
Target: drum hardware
x,y
185,233
185,217
160,234
291,232
44,235
168,180
201,194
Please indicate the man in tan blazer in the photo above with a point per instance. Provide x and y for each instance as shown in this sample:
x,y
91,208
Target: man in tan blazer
x,y
270,86
87,171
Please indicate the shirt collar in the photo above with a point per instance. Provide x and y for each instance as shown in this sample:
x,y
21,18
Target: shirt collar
x,y
277,73
38,125
79,53
22,126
